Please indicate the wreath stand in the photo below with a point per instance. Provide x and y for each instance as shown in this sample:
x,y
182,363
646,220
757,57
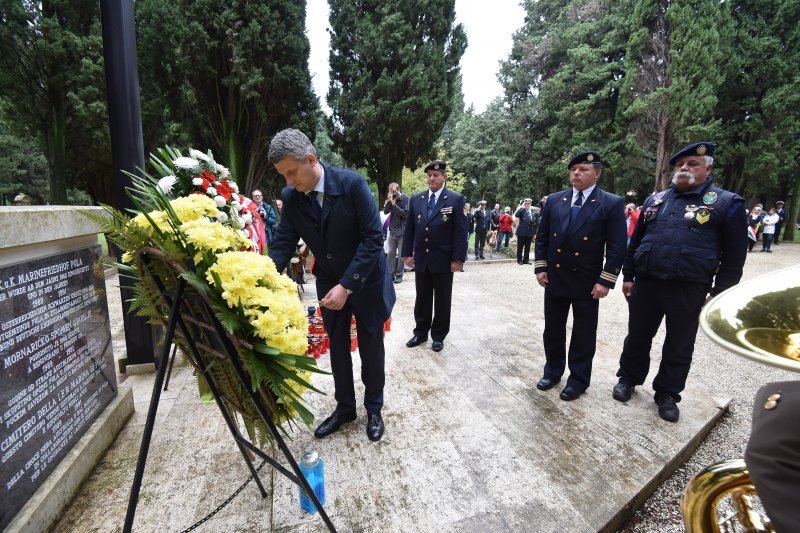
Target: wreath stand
x,y
200,331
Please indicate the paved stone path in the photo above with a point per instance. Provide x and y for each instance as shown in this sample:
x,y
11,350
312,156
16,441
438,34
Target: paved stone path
x,y
470,444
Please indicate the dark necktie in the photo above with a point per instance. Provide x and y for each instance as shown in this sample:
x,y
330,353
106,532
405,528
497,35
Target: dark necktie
x,y
576,206
431,204
315,207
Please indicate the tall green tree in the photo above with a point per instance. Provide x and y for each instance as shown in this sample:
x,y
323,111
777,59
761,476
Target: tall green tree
x,y
237,73
562,82
672,73
51,68
479,150
394,79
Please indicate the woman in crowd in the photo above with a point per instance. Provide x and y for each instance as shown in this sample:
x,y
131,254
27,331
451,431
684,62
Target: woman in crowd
x,y
506,224
754,221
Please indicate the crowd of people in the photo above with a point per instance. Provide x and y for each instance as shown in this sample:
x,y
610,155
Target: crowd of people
x,y
683,246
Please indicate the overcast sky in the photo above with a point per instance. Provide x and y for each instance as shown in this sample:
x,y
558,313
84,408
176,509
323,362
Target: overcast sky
x,y
489,26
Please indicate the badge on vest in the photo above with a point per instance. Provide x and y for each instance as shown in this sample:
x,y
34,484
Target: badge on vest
x,y
690,212
710,197
703,216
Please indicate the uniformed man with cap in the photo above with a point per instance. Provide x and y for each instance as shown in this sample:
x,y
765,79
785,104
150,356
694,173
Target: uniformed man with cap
x,y
690,241
435,244
577,226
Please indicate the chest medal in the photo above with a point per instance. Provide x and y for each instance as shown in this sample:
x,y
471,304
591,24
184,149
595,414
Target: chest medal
x,y
703,216
710,197
690,212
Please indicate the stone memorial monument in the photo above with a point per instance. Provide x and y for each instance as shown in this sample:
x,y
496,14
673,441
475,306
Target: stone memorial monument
x,y
57,374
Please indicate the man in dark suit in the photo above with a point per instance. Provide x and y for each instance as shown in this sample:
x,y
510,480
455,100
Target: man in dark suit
x,y
526,229
576,227
781,212
334,212
435,244
481,218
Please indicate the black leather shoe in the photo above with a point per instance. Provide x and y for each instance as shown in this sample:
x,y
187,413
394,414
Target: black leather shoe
x,y
437,346
569,394
332,424
622,391
398,280
668,408
546,383
416,341
375,427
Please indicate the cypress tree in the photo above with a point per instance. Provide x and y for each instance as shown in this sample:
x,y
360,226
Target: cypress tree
x,y
394,78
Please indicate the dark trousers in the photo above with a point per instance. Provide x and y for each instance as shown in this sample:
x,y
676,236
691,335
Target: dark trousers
x,y
653,300
432,306
370,348
582,343
766,241
777,235
523,248
480,243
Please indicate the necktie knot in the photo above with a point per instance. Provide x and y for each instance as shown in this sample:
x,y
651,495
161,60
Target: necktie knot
x,y
431,204
579,199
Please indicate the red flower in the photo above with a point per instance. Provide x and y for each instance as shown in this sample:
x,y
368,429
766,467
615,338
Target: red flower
x,y
224,190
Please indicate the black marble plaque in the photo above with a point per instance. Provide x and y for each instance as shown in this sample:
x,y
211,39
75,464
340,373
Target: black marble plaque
x,y
56,366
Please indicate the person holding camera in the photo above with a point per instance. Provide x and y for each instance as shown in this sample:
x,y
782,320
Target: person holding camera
x,y
631,218
396,207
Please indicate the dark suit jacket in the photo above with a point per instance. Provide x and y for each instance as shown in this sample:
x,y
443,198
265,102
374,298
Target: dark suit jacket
x,y
437,241
347,243
572,253
773,453
527,222
481,221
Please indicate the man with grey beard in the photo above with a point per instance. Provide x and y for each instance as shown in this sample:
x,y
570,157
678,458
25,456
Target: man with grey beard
x,y
689,244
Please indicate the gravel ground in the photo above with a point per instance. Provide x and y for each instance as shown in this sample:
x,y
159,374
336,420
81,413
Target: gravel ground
x,y
721,372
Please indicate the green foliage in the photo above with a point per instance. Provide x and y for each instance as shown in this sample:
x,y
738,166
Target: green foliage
x,y
51,69
23,169
394,81
237,73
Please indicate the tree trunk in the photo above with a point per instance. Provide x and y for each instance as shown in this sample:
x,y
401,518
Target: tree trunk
x,y
56,143
662,154
793,208
233,153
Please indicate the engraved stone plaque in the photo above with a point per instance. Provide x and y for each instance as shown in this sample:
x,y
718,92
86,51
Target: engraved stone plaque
x,y
56,366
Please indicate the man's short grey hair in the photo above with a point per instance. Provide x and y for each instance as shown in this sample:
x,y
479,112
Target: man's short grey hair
x,y
290,143
709,160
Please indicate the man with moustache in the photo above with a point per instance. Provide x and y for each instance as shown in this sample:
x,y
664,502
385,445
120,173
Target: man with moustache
x,y
689,244
435,244
577,227
334,212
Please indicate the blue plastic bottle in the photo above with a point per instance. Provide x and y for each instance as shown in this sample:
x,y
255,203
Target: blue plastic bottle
x,y
312,468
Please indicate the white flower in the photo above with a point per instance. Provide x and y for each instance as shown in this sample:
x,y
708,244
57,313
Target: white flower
x,y
197,181
222,217
211,191
237,206
197,154
241,224
220,200
233,186
247,217
223,172
234,196
166,183
246,233
186,162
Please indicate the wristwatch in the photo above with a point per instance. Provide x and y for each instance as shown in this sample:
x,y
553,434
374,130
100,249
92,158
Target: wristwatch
x,y
349,291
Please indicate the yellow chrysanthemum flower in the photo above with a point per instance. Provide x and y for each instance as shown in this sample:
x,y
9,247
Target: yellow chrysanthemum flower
x,y
210,236
194,206
293,341
160,218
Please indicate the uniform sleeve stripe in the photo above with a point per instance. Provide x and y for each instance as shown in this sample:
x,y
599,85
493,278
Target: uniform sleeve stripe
x,y
541,263
608,277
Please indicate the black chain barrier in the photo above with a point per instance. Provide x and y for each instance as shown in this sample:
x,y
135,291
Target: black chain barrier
x,y
210,515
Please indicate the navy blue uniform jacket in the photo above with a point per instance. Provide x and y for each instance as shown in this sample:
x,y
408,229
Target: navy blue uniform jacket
x,y
572,253
347,243
437,241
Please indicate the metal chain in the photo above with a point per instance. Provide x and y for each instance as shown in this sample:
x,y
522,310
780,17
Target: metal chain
x,y
226,502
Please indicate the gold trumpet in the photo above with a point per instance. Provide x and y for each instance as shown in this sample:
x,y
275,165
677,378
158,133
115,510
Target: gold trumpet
x,y
760,320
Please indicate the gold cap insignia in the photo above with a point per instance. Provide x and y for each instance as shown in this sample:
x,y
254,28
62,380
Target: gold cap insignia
x,y
701,149
590,157
435,167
